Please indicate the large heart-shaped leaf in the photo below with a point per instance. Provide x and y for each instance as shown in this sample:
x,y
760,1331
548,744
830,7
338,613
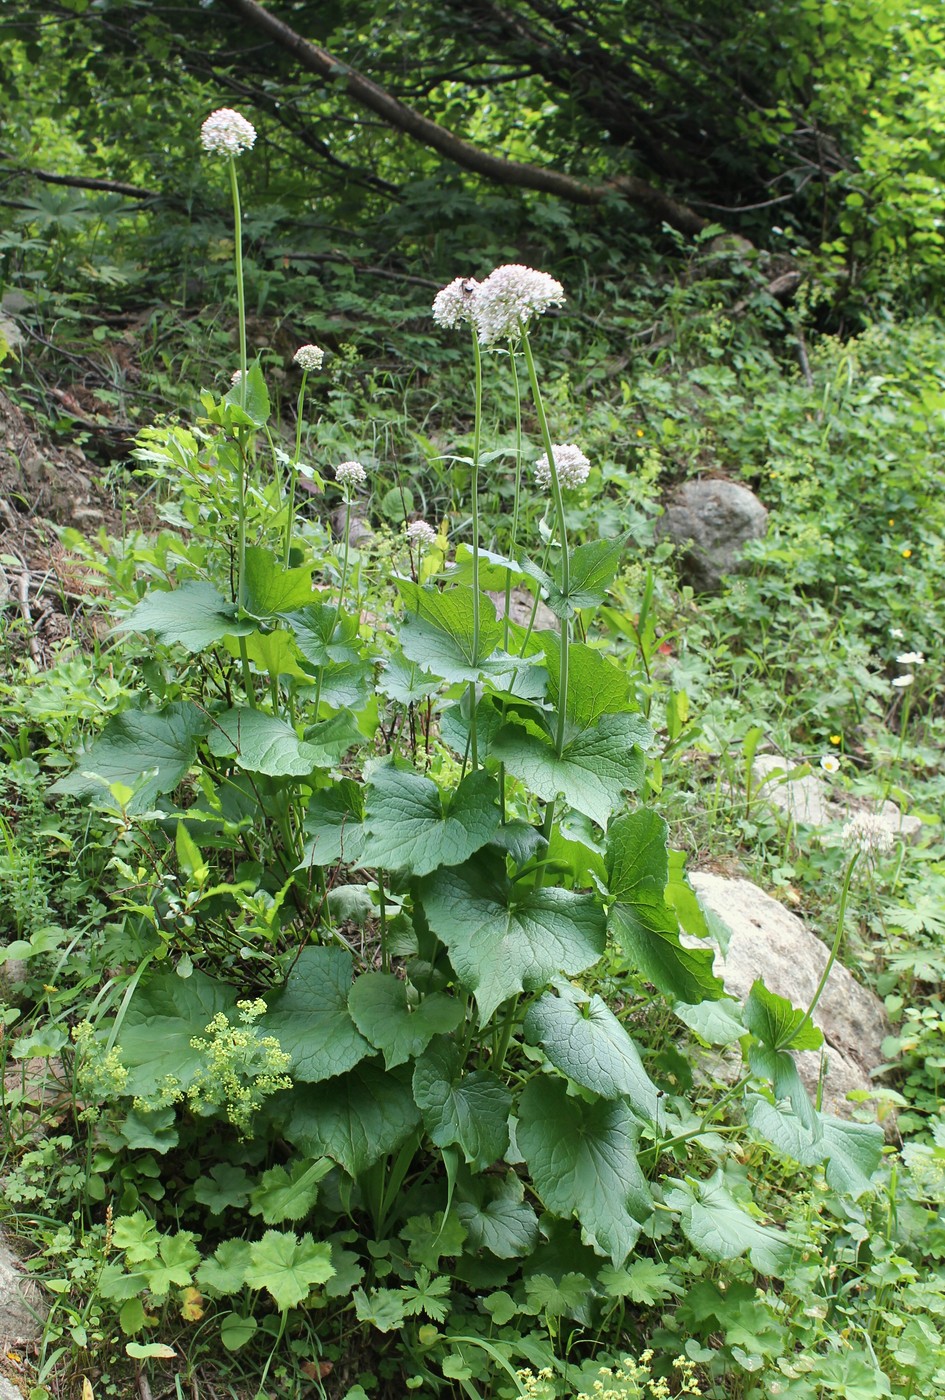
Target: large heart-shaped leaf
x,y
504,938
165,1014
412,826
583,1162
597,766
355,1120
591,571
437,631
262,743
271,588
380,1008
851,1151
584,1039
470,1110
333,825
595,685
496,1215
641,920
195,615
720,1229
309,1016
325,635
161,743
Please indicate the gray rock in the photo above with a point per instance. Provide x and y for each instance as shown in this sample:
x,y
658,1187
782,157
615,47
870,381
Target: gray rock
x,y
22,1312
809,799
711,521
770,942
8,1390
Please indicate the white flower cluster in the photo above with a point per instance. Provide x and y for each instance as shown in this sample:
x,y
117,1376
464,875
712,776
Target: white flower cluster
x,y
571,465
309,357
350,474
900,682
500,306
868,834
226,133
420,532
911,658
453,304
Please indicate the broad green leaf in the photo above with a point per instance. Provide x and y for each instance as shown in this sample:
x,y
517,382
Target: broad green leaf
x,y
437,631
323,635
165,1013
236,1331
593,567
715,1022
261,743
288,1193
404,681
380,1009
562,1297
494,569
505,938
470,1110
595,769
333,825
225,1188
310,1019
851,1376
273,653
271,588
195,615
355,1119
714,1222
780,1069
646,1282
134,743
253,399
595,685
224,1273
584,1039
288,1267
640,919
497,1216
582,1159
383,1308
346,684
777,1023
851,1151
412,825
146,1351
178,1256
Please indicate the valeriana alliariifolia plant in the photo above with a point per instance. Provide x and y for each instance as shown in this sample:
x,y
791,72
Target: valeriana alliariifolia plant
x,y
308,358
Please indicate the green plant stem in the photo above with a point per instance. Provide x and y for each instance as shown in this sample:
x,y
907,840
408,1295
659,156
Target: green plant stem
x,y
294,469
838,939
563,535
518,487
477,436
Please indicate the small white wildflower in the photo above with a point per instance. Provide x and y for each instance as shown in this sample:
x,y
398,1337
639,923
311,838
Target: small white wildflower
x,y
453,304
420,533
868,834
896,633
350,474
309,357
902,681
911,658
509,297
226,133
572,466
830,764
236,376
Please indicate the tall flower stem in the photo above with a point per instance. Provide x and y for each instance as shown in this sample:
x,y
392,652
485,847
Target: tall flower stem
x,y
477,437
294,469
565,630
241,455
518,485
837,940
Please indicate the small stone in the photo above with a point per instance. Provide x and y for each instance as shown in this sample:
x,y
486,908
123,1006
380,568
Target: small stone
x,y
711,521
22,1311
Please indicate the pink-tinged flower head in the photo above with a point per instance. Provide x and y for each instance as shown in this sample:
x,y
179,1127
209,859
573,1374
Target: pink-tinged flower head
x,y
571,465
350,474
226,133
420,533
453,304
508,299
309,357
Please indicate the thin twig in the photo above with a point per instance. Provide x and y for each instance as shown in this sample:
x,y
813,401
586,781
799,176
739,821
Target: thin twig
x,y
144,1390
24,600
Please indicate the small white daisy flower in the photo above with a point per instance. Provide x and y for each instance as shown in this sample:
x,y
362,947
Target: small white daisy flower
x,y
572,466
868,834
309,357
453,304
509,297
420,533
911,658
902,681
350,474
226,133
830,763
896,633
